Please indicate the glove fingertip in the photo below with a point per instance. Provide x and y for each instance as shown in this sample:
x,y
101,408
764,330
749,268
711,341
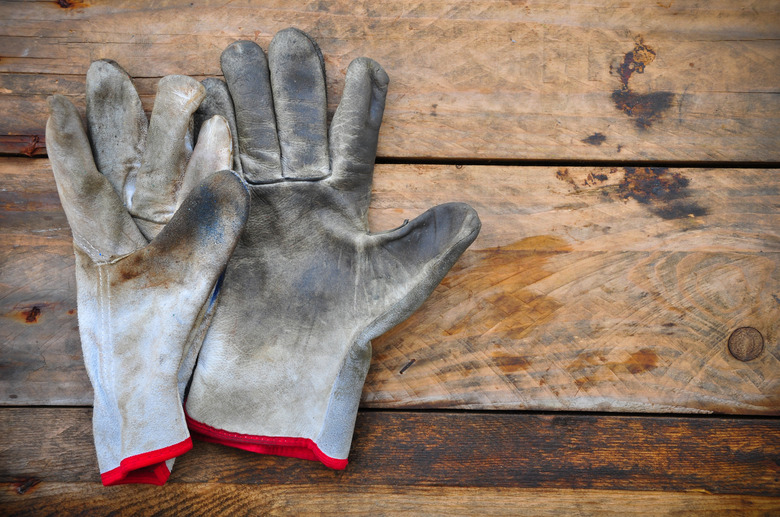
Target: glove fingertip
x,y
440,234
105,68
366,65
293,39
238,54
470,222
60,110
461,227
187,91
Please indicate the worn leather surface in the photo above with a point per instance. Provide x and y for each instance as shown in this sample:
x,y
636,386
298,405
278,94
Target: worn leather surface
x,y
153,226
308,286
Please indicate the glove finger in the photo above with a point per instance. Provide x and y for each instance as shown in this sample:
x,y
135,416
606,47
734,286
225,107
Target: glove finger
x,y
300,101
355,128
417,256
116,122
212,153
195,245
168,147
218,102
100,224
246,71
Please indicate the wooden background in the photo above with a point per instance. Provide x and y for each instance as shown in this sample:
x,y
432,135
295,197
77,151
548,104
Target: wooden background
x,y
623,159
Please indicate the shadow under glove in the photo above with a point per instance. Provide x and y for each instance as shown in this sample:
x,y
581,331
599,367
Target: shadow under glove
x,y
283,364
152,231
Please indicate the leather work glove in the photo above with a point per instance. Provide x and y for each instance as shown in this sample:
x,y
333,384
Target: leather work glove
x,y
153,226
283,364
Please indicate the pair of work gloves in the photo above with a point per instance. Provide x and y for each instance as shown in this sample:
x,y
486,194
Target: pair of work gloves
x,y
247,253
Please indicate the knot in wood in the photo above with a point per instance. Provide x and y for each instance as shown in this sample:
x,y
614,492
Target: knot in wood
x,y
746,343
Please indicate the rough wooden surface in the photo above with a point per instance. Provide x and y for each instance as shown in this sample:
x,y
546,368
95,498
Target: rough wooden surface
x,y
588,288
226,499
422,463
670,80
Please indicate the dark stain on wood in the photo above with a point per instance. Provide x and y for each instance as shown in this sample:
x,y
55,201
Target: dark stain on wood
x,y
563,175
650,184
635,61
666,192
595,139
26,485
587,359
509,363
70,4
591,368
641,361
32,146
645,108
31,315
679,210
26,145
27,315
595,179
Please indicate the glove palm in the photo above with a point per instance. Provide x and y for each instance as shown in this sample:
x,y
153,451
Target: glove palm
x,y
284,362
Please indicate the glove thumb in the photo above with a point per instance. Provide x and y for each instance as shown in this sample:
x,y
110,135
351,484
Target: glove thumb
x,y
423,251
198,241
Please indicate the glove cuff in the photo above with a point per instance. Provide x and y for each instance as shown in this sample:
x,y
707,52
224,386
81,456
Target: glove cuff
x,y
148,467
292,447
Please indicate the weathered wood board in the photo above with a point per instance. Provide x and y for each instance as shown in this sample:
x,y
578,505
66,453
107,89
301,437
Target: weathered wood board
x,y
209,499
611,289
671,80
423,463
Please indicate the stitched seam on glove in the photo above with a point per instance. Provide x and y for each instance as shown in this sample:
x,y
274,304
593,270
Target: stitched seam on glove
x,y
158,475
302,448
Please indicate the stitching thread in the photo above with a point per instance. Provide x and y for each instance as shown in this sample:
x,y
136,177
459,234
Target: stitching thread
x,y
102,324
85,243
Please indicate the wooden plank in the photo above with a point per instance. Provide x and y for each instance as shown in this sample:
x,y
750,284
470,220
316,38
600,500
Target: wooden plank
x,y
605,289
225,499
588,289
474,80
436,449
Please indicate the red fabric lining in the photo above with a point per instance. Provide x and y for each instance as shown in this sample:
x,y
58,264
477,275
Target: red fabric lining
x,y
303,448
148,467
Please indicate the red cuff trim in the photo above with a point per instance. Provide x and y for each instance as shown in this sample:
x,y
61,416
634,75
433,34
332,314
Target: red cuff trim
x,y
302,448
148,467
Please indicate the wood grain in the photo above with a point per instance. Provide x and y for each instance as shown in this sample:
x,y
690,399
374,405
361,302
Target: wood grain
x,y
225,499
610,289
473,80
588,289
468,449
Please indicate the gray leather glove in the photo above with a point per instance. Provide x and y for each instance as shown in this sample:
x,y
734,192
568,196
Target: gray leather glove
x,y
147,257
283,365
